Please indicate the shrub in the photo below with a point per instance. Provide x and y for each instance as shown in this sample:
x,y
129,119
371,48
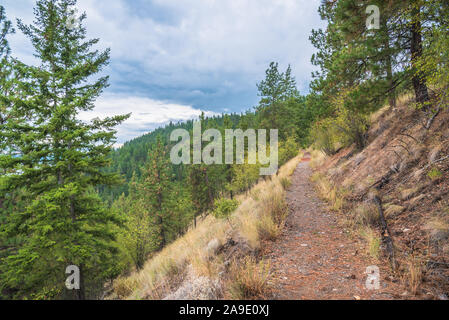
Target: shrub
x,y
268,229
435,174
275,206
367,215
124,287
224,208
286,183
345,128
288,150
249,279
323,135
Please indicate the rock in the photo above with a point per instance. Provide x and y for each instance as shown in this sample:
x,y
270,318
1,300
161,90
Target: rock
x,y
201,288
213,246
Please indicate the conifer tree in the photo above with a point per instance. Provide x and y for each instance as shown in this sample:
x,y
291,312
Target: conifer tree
x,y
157,193
59,162
137,236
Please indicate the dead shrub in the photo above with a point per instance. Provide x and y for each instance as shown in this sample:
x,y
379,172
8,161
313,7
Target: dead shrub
x,y
367,215
268,229
248,279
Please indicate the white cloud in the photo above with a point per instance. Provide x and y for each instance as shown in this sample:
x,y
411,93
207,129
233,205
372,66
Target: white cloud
x,y
146,114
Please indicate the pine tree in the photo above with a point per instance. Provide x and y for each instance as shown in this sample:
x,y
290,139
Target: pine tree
x,y
6,81
137,236
60,162
277,87
157,193
202,189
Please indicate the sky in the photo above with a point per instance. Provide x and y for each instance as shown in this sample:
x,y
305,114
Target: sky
x,y
173,59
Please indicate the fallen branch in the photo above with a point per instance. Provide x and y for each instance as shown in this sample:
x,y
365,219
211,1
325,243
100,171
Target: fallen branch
x,y
429,123
387,238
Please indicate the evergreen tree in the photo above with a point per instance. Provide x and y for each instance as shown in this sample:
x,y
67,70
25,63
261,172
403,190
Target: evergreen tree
x,y
59,162
277,87
157,193
137,237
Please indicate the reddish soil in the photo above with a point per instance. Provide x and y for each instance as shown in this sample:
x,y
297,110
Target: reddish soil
x,y
315,258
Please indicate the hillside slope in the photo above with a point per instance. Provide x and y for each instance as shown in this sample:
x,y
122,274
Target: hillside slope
x,y
404,170
218,258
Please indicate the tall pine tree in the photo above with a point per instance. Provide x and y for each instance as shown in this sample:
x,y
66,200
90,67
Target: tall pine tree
x,y
59,162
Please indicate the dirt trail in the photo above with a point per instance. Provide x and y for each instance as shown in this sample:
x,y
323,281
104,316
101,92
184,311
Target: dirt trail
x,y
314,258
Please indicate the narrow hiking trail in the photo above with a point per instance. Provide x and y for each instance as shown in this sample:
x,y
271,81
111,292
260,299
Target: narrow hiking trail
x,y
314,258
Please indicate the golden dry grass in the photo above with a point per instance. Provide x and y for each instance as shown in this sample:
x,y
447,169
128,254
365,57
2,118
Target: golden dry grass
x,y
373,242
248,279
265,201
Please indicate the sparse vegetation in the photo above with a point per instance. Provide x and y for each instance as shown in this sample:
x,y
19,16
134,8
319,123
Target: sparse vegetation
x,y
332,194
367,215
373,242
286,183
249,279
435,174
414,274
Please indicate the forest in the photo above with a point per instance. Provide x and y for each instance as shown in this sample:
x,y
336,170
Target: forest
x,y
68,197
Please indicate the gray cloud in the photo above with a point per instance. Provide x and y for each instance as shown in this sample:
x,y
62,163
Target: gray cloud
x,y
207,54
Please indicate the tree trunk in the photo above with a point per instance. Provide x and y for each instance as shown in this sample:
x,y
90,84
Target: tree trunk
x,y
418,80
81,292
389,68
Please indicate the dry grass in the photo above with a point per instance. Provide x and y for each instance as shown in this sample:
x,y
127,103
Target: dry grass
x,y
414,274
266,201
248,279
329,192
373,242
367,215
318,158
286,183
267,229
172,259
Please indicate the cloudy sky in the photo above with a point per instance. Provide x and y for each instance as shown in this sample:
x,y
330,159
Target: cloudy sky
x,y
172,59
